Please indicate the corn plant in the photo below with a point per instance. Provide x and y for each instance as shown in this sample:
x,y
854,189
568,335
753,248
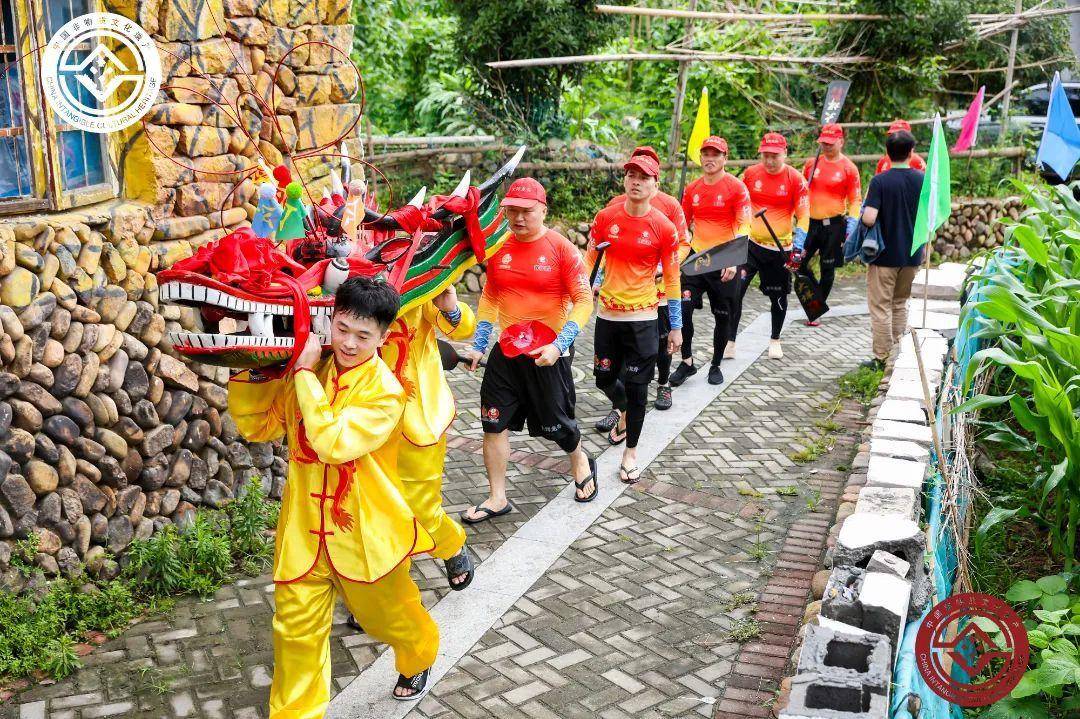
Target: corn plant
x,y
1026,308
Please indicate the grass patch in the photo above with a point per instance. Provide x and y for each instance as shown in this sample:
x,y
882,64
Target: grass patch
x,y
743,630
813,450
750,493
814,500
42,634
788,491
861,384
739,600
760,551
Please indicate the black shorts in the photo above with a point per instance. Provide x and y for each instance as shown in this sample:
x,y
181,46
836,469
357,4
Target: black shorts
x,y
775,278
827,240
696,287
663,322
626,347
515,391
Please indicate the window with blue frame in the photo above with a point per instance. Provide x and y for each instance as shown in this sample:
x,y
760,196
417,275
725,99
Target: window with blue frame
x,y
82,154
14,159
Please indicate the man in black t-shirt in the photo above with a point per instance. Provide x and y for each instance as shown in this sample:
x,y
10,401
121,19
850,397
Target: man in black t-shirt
x,y
892,201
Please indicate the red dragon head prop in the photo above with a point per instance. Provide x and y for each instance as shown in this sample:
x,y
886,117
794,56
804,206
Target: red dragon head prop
x,y
258,302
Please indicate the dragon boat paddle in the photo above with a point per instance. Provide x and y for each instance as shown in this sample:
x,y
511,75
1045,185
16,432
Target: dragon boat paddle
x,y
599,258
807,289
729,254
450,357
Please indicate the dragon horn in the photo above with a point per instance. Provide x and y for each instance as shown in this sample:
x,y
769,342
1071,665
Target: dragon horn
x,y
346,164
418,198
492,183
336,188
463,187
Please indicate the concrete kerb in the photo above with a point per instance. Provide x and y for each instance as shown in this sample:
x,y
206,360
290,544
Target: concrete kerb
x,y
879,577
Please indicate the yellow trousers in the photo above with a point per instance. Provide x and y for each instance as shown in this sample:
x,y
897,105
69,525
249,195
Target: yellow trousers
x,y
420,470
389,610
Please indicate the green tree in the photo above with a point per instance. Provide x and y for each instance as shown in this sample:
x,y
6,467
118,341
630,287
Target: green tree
x,y
527,97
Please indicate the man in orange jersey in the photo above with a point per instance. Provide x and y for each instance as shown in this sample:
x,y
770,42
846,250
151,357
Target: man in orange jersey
x,y
835,202
639,238
915,163
779,190
674,212
537,275
718,207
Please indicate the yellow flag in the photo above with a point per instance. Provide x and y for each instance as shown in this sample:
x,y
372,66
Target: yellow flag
x,y
701,128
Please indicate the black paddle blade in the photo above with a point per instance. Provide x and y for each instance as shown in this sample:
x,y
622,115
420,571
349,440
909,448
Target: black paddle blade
x,y
729,254
449,356
810,296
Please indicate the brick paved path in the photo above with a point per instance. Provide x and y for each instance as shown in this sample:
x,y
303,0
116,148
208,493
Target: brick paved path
x,y
636,618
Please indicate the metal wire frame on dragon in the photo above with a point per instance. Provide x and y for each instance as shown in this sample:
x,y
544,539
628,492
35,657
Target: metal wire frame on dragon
x,y
44,164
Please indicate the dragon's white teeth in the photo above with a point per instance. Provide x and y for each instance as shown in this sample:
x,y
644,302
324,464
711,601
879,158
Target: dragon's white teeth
x,y
261,324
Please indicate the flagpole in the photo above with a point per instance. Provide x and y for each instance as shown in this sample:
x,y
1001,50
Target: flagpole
x,y
682,177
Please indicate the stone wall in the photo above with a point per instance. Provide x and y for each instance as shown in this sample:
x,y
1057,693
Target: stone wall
x,y
974,226
192,152
105,435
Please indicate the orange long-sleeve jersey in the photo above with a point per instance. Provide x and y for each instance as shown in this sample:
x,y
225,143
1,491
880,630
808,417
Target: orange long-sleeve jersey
x,y
541,280
672,210
836,189
783,196
638,245
916,163
719,212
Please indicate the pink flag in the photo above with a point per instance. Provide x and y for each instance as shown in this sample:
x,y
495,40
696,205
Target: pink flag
x,y
969,126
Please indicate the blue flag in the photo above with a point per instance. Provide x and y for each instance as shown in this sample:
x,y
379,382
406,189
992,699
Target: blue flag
x,y
1060,146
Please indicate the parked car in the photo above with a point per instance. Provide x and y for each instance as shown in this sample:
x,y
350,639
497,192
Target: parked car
x,y
1028,111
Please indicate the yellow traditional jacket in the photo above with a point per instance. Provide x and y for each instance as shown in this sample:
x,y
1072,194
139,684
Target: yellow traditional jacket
x,y
341,492
413,354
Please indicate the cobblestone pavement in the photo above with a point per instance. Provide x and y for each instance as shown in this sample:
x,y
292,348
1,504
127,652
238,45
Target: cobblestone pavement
x,y
639,617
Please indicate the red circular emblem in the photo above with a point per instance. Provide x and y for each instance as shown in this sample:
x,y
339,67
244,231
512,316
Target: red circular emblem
x,y
959,655
492,413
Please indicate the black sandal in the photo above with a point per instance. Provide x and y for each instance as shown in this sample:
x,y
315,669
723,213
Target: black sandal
x,y
460,563
418,684
582,483
616,436
629,475
487,513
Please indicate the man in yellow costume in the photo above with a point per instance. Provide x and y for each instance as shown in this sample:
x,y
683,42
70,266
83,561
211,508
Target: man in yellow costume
x,y
344,527
412,352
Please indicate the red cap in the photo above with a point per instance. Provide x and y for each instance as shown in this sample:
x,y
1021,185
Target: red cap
x,y
899,125
645,164
831,133
524,337
282,175
773,142
716,143
524,192
645,151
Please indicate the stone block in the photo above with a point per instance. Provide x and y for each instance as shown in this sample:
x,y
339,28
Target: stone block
x,y
902,410
944,323
892,472
859,658
897,448
888,500
189,20
888,429
887,563
862,534
943,282
884,599
814,696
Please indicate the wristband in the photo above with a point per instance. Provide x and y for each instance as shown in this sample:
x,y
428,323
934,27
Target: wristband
x,y
482,335
453,316
567,336
799,238
850,223
674,310
599,279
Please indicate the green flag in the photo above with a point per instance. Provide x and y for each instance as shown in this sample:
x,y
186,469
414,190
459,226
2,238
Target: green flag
x,y
935,200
